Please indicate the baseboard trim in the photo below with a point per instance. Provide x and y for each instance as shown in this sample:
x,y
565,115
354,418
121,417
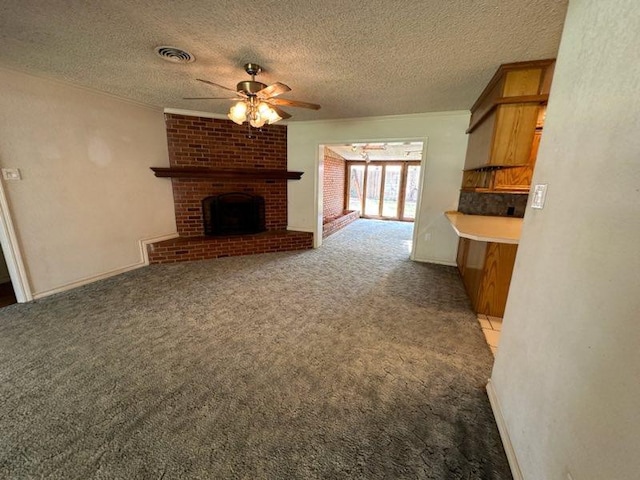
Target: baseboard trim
x,y
144,252
296,229
144,261
434,260
87,280
504,433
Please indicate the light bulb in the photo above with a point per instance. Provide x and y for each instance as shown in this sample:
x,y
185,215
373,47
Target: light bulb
x,y
238,112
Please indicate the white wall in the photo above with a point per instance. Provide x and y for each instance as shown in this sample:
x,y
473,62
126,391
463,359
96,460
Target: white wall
x,y
446,145
567,374
87,195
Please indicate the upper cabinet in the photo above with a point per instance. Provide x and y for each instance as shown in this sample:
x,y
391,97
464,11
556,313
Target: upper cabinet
x,y
506,124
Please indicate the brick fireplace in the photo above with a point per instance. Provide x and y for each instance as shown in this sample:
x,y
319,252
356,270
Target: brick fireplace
x,y
212,157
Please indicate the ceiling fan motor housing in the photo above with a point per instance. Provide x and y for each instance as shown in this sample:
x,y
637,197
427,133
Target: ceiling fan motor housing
x,y
250,87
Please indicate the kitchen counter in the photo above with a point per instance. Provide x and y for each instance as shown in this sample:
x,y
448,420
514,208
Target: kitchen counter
x,y
485,228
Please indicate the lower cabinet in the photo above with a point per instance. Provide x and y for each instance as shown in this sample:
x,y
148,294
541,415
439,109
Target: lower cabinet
x,y
486,269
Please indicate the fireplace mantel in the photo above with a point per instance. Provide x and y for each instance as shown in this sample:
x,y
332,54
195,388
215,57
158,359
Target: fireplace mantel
x,y
228,173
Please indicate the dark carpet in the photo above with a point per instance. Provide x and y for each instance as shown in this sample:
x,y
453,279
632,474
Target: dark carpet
x,y
349,361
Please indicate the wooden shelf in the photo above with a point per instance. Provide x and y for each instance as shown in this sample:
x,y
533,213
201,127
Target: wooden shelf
x,y
226,173
538,99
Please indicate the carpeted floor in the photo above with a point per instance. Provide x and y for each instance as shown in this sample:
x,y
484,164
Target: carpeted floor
x,y
349,361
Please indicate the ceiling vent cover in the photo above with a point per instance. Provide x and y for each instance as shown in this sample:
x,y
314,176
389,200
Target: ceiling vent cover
x,y
174,55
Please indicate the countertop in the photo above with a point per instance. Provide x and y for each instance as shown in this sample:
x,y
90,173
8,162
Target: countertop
x,y
485,228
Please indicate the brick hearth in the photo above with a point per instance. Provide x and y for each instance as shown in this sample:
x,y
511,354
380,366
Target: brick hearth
x,y
184,249
214,143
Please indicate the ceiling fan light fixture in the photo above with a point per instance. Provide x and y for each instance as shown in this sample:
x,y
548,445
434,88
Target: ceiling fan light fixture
x,y
238,112
256,102
274,117
256,120
268,113
264,110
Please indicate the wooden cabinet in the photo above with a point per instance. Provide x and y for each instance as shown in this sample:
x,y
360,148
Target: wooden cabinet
x,y
477,180
486,269
504,137
461,258
505,127
518,178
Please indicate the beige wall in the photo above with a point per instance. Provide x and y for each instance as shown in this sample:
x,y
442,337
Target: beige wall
x,y
87,196
567,374
446,145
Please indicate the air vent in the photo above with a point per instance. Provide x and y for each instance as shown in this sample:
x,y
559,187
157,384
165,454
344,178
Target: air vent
x,y
174,55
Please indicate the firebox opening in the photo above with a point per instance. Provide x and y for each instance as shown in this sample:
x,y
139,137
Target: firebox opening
x,y
233,214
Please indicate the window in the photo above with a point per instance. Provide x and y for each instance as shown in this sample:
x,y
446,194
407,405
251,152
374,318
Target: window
x,y
383,189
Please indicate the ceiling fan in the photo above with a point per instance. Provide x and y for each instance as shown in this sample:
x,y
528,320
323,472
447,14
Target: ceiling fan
x,y
257,102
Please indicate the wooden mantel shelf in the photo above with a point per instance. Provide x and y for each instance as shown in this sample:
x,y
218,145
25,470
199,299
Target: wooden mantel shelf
x,y
232,173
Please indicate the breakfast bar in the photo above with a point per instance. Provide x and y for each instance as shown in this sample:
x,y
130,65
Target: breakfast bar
x,y
486,228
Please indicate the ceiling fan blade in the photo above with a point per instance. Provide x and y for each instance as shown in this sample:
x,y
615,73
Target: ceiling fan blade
x,y
293,103
284,115
210,98
220,86
273,90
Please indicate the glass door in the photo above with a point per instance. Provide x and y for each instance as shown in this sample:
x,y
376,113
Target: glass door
x,y
391,191
372,206
356,188
384,189
412,181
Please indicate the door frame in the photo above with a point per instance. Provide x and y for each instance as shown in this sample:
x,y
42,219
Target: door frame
x,y
404,167
11,252
319,179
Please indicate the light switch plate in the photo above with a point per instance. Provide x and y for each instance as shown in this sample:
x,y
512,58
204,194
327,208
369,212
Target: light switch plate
x,y
539,194
11,174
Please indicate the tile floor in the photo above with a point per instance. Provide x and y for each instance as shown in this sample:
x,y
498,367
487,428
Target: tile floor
x,y
491,327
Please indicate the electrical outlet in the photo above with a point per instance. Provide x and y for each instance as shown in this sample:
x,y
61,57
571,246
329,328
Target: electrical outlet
x,y
427,237
11,174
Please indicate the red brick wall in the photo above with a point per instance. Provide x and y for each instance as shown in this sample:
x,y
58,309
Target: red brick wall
x,y
333,190
206,142
209,142
339,223
203,248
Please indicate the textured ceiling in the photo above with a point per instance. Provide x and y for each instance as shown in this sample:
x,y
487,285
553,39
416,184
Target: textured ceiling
x,y
379,151
355,58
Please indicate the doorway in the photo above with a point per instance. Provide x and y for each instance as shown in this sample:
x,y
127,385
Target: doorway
x,y
388,176
7,294
13,278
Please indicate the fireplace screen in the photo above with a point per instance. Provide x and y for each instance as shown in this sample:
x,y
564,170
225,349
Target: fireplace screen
x,y
233,214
